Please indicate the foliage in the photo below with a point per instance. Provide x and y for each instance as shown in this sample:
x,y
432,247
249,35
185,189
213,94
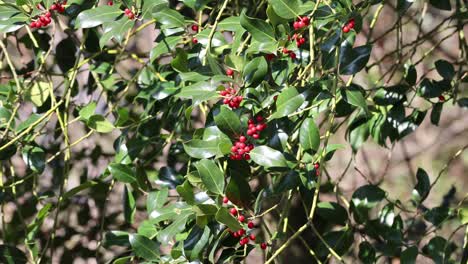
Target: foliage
x,y
255,148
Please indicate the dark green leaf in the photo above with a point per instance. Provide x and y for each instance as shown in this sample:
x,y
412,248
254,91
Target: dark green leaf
x,y
309,136
228,121
355,97
368,196
436,112
35,158
355,59
421,190
409,255
441,4
444,68
238,190
366,253
212,177
332,213
255,71
129,206
12,255
169,18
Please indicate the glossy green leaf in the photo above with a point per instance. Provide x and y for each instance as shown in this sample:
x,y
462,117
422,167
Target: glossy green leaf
x,y
409,255
445,69
96,16
436,112
169,18
260,30
156,199
35,158
355,59
129,205
268,157
366,253
224,217
255,71
12,255
212,177
368,196
309,136
288,9
144,247
86,112
122,173
289,100
228,121
355,97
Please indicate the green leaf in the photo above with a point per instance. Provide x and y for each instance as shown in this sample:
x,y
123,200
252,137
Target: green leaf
x,y
431,89
116,30
156,199
27,123
11,18
255,71
98,15
170,18
212,177
436,112
144,247
268,157
260,30
163,46
200,91
38,93
180,62
35,158
368,196
445,69
366,253
309,136
129,206
463,215
441,4
288,101
186,192
439,249
214,143
223,216
122,173
409,255
238,190
12,255
288,9
411,74
391,95
166,235
354,60
86,112
227,121
332,212
463,102
354,97
100,124
116,238
421,190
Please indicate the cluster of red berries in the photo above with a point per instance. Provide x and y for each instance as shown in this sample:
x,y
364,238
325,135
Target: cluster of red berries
x,y
129,13
301,22
240,150
45,19
242,233
348,26
230,98
290,53
255,129
299,39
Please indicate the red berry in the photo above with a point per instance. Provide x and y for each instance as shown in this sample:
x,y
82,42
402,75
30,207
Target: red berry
x,y
275,97
110,3
351,23
47,20
242,139
285,50
256,136
195,27
269,57
441,98
241,232
296,25
241,218
194,40
127,11
263,245
53,7
229,72
251,225
48,14
61,9
252,237
225,200
33,24
249,132
316,166
292,55
346,29
305,20
131,15
259,127
241,151
259,118
236,234
301,24
233,210
246,156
